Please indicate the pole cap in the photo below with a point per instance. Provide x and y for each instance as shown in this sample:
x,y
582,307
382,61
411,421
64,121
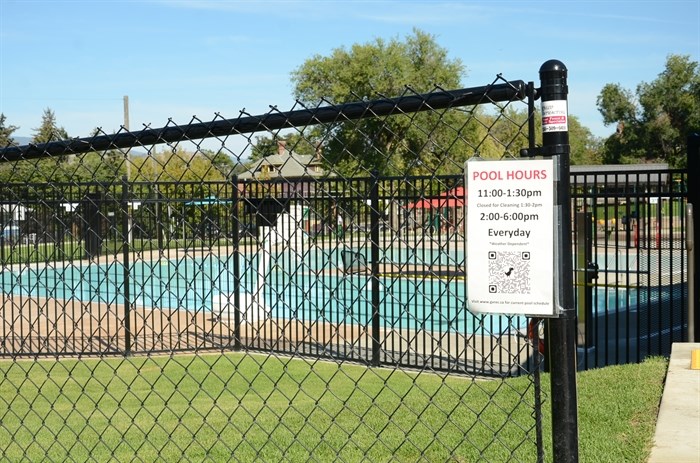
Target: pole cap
x,y
553,65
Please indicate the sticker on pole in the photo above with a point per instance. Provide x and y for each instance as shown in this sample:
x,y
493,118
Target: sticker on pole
x,y
554,116
510,237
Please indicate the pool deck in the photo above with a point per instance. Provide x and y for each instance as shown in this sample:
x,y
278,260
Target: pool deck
x,y
51,327
677,436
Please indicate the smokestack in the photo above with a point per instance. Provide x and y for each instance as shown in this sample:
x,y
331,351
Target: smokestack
x,y
281,146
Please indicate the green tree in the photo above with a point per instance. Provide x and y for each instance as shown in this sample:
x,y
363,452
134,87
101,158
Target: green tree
x,y
6,132
264,146
399,144
221,162
585,147
49,130
178,165
303,142
43,169
105,166
653,123
508,132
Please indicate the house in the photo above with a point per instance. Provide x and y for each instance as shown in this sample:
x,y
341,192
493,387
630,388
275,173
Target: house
x,y
279,184
285,164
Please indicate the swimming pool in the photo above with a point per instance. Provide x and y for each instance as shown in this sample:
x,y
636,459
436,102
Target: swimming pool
x,y
311,287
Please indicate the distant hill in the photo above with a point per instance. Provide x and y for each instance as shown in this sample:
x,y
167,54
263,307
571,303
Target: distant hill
x,y
22,140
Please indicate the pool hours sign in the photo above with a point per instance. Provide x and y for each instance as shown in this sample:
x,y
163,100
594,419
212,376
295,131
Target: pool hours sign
x,y
510,237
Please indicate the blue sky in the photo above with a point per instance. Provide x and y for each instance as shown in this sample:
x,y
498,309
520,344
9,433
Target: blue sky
x,y
178,59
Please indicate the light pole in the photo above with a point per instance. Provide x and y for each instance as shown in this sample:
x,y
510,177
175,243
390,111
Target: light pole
x,y
126,126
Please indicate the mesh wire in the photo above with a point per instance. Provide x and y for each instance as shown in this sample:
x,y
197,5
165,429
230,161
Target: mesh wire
x,y
282,287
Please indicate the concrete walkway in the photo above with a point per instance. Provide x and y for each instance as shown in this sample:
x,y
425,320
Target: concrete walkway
x,y
677,437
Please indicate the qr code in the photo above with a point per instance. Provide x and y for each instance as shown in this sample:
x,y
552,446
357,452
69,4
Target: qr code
x,y
509,272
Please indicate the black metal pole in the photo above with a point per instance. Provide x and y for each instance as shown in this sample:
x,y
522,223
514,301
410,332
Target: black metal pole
x,y
126,252
374,251
561,332
694,199
159,220
236,238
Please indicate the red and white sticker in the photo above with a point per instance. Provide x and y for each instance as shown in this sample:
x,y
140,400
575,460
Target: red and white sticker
x,y
554,116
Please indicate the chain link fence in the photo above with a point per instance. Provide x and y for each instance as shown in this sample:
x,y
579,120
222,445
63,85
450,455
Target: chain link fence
x,y
281,287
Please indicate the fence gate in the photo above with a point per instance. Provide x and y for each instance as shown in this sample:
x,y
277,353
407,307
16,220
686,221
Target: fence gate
x,y
287,286
631,262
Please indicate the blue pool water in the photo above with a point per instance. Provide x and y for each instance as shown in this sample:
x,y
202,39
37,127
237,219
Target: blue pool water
x,y
310,288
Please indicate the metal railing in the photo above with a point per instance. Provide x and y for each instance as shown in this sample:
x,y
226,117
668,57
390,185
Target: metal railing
x,y
632,262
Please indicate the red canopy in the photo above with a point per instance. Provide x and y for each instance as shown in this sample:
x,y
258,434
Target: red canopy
x,y
451,198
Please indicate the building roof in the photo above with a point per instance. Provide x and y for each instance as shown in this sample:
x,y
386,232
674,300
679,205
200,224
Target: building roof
x,y
284,164
620,174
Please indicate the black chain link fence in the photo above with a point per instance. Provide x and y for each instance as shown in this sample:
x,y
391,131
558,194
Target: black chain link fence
x,y
287,286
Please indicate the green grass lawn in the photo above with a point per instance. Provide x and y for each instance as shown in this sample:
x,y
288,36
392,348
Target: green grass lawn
x,y
69,250
262,408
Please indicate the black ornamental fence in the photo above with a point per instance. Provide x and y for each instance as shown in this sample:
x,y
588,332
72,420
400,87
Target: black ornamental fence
x,y
632,230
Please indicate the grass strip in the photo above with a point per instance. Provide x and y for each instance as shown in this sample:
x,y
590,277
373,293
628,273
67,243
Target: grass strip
x,y
266,408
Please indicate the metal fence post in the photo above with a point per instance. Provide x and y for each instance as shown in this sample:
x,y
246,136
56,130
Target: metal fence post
x,y
374,251
585,274
694,199
236,238
561,332
126,264
159,220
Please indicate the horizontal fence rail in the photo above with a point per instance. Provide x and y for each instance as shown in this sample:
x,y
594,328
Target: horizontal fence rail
x,y
323,114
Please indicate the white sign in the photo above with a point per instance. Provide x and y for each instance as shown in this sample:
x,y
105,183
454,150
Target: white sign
x,y
510,237
554,116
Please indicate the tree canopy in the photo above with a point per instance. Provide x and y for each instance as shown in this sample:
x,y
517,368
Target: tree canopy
x,y
6,132
302,142
406,144
652,124
49,130
110,165
421,143
377,68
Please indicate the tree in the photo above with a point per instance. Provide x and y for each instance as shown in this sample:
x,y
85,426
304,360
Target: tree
x,y
49,130
653,126
221,163
509,133
107,166
45,169
585,147
178,165
263,147
302,142
406,144
6,132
